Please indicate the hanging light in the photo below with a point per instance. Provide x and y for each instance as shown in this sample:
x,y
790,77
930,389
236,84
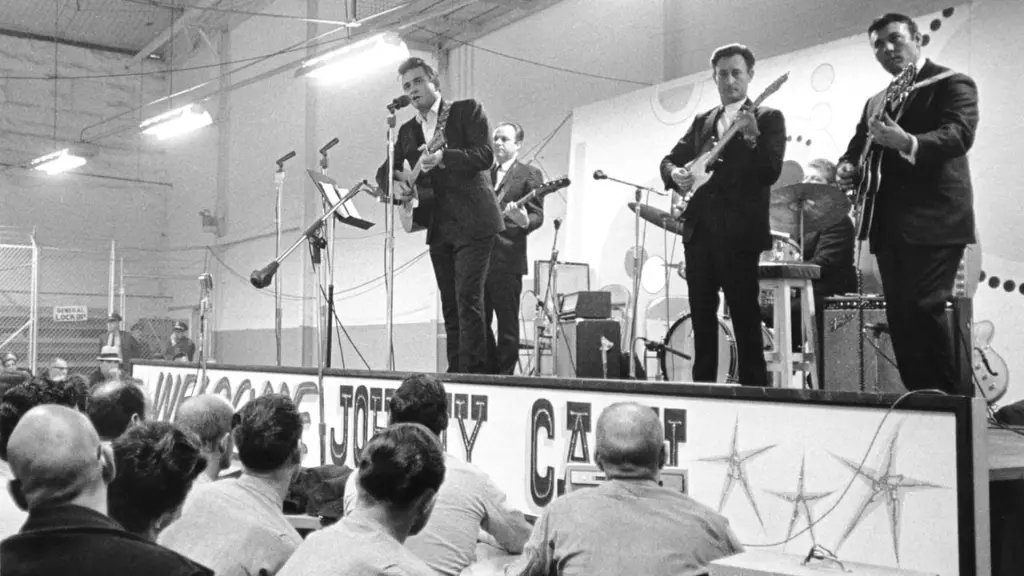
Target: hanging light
x,y
57,162
352,60
176,122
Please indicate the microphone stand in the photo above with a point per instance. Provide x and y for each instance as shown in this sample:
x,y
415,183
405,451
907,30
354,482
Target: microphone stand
x,y
331,230
389,241
551,290
317,243
205,285
279,184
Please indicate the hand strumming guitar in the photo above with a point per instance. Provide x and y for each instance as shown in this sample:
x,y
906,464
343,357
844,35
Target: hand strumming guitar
x,y
401,190
430,161
683,178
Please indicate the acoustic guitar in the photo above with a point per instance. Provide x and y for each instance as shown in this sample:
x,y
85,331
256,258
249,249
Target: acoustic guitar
x,y
414,211
702,167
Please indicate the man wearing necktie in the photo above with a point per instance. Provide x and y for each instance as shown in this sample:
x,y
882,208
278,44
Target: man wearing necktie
x,y
512,180
924,208
725,225
465,217
122,340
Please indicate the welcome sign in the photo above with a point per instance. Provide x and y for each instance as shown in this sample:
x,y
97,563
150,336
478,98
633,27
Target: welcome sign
x,y
789,469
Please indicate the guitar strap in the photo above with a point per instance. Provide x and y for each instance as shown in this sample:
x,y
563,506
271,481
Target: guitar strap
x,y
442,123
706,130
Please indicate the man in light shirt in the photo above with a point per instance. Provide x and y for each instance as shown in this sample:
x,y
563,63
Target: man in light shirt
x,y
629,524
400,471
208,416
467,502
237,526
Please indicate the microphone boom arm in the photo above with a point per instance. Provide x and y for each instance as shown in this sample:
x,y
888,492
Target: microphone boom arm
x,y
262,278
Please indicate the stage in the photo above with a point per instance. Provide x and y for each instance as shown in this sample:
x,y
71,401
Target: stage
x,y
904,487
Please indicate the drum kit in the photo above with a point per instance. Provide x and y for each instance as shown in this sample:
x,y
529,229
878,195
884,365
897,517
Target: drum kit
x,y
794,212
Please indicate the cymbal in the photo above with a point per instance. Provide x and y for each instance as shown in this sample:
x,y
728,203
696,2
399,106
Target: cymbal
x,y
659,218
822,206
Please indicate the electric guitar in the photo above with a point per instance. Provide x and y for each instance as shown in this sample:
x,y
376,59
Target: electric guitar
x,y
702,167
991,371
869,165
512,208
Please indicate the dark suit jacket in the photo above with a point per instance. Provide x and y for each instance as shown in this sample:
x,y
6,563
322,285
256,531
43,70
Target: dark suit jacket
x,y
733,205
130,348
185,345
72,540
464,200
509,253
930,202
832,249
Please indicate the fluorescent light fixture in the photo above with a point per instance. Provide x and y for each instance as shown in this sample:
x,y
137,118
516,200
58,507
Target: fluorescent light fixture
x,y
352,60
57,162
176,122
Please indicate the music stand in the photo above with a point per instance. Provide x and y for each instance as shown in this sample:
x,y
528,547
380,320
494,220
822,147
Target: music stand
x,y
346,213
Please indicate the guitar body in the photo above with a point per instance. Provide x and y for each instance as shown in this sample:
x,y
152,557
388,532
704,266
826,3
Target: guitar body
x,y
864,199
701,167
415,213
990,370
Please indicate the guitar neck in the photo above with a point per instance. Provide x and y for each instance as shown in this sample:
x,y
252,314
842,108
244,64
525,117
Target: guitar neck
x,y
731,131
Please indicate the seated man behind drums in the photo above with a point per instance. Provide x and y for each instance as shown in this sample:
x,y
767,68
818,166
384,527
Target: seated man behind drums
x,y
832,249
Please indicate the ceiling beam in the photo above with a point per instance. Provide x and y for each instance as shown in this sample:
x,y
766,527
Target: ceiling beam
x,y
177,26
520,9
65,41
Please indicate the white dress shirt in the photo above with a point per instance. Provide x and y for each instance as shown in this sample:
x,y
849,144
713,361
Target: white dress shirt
x,y
728,116
502,172
428,121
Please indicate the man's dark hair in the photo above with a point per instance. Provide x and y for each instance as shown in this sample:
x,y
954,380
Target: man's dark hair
x,y
516,128
21,398
156,464
400,463
267,431
730,50
413,63
112,405
421,400
892,18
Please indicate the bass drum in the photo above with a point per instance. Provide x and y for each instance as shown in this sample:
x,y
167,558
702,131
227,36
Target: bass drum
x,y
676,357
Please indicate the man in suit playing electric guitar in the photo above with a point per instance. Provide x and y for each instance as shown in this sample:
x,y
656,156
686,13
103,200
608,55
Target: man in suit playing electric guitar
x,y
725,226
512,180
464,218
923,214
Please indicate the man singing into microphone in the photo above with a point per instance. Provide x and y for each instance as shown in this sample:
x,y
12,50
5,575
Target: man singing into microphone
x,y
725,225
465,216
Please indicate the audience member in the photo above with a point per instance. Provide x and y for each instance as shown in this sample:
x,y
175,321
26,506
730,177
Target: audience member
x,y
58,371
467,502
61,472
114,406
22,398
400,471
81,386
121,341
109,369
208,416
237,526
629,524
10,361
157,464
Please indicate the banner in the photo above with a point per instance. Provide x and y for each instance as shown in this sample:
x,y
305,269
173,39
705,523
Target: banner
x,y
788,474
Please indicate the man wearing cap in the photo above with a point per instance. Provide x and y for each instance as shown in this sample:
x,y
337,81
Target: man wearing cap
x,y
127,345
180,343
110,367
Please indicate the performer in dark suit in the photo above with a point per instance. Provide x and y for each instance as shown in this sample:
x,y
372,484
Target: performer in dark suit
x,y
924,210
726,223
465,215
512,180
121,339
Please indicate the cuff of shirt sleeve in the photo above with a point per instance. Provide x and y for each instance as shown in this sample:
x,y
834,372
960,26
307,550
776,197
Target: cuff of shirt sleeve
x,y
912,156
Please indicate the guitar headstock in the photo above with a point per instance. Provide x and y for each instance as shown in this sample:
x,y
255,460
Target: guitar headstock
x,y
771,89
899,88
552,185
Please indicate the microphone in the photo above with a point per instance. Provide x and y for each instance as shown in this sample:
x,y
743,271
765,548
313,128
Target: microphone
x,y
262,278
287,157
599,175
398,103
329,145
558,223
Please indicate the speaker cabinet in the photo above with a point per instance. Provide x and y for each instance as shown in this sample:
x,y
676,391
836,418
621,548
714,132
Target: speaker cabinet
x,y
842,343
588,349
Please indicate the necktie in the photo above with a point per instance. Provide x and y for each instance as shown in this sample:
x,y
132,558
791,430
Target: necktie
x,y
494,176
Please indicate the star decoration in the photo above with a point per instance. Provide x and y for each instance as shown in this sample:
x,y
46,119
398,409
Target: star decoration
x,y
736,460
802,502
884,485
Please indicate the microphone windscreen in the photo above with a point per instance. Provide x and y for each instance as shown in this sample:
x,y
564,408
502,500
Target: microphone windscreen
x,y
599,175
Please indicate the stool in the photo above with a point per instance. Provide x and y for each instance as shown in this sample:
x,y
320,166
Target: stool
x,y
780,277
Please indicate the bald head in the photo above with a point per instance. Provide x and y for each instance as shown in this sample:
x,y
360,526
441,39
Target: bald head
x,y
55,455
207,416
114,405
630,441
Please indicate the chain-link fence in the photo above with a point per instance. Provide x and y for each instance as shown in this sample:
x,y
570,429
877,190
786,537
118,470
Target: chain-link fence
x,y
17,286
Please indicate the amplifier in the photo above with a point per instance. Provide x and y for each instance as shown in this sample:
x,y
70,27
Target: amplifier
x,y
572,277
842,342
588,349
592,305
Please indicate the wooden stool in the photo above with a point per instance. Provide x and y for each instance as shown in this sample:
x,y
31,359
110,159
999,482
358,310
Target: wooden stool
x,y
780,277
